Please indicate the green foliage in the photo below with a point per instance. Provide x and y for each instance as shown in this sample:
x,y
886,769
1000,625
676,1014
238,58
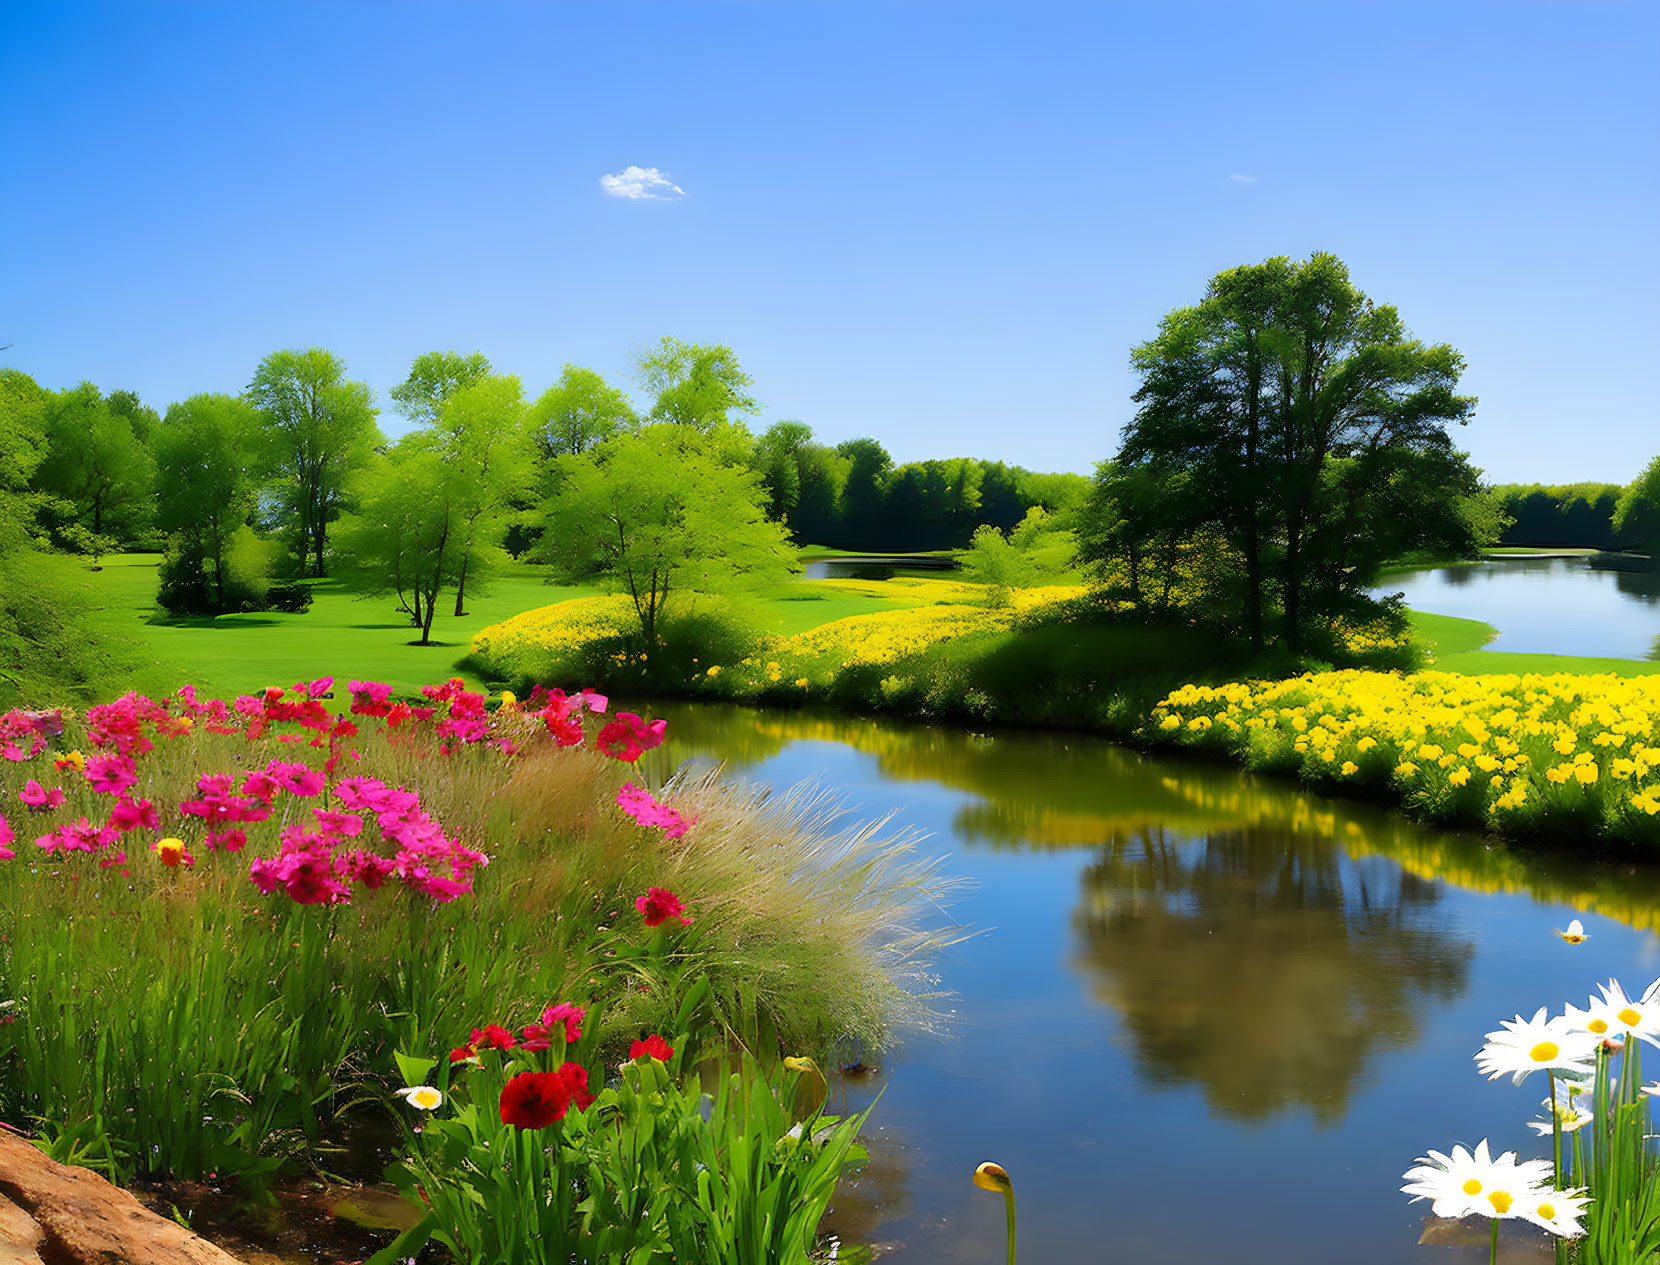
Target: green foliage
x,y
318,430
57,644
1310,430
98,472
645,1172
695,384
23,446
435,507
207,478
1637,515
1561,515
656,513
579,410
433,378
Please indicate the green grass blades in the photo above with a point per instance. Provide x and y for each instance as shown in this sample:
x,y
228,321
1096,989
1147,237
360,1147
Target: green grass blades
x,y
653,1169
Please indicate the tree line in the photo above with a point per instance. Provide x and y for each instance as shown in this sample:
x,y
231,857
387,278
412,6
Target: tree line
x,y
293,478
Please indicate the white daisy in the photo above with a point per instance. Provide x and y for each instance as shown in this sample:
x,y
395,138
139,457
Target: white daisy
x,y
1537,1045
1558,1211
1570,1114
1575,934
1468,1182
423,1096
1617,1015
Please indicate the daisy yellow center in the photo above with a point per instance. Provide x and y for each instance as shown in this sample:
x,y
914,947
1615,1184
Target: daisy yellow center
x,y
1629,1017
1598,1026
1472,1186
1544,1052
1547,1211
1501,1201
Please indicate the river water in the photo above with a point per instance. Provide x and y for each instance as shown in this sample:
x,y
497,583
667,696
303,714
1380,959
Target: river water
x,y
1545,605
1205,1017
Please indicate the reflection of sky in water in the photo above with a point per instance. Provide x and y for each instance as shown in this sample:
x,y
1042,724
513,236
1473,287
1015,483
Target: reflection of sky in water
x,y
1194,1027
1545,606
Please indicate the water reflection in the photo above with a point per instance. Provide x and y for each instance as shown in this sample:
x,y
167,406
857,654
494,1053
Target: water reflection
x,y
1260,965
1187,979
1051,790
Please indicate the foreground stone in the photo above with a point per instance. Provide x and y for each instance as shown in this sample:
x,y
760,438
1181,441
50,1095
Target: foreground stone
x,y
71,1216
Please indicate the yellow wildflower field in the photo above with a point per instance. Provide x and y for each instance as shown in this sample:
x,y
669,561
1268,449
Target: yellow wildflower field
x,y
1523,755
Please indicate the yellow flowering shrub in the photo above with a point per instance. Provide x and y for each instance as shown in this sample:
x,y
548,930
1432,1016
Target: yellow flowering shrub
x,y
1563,754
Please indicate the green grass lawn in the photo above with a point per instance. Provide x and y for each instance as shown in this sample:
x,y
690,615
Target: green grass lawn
x,y
1456,645
341,635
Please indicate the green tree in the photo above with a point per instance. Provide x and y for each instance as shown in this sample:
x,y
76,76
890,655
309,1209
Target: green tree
x,y
777,459
578,411
434,507
864,493
98,472
656,514
207,477
126,404
1305,417
433,378
702,386
1637,516
319,428
23,446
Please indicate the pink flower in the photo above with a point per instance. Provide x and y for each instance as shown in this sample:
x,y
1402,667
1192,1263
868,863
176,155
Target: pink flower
x,y
38,798
6,836
640,804
129,814
339,825
369,698
627,737
297,779
110,774
261,786
659,905
570,1016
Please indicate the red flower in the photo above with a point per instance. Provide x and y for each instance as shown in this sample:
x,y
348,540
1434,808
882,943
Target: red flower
x,y
653,1047
659,905
534,1100
491,1037
575,1079
462,1053
534,1038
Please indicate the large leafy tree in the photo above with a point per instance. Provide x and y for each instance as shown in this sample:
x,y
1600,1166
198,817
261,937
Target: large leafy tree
x,y
207,478
318,428
433,378
657,514
98,472
23,445
700,385
578,411
1311,432
435,506
777,459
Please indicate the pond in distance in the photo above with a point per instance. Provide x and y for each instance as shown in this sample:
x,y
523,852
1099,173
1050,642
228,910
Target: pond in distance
x,y
1206,1017
1544,605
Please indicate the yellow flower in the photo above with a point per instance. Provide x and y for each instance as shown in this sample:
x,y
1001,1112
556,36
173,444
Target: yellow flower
x,y
1349,768
1459,776
991,1176
714,670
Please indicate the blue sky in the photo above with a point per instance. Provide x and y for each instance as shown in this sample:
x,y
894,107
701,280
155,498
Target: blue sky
x,y
943,225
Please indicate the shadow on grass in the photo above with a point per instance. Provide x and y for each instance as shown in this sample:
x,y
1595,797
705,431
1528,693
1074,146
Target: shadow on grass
x,y
210,621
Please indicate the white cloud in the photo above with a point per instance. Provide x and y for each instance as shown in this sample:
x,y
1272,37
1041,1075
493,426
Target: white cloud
x,y
641,182
1232,175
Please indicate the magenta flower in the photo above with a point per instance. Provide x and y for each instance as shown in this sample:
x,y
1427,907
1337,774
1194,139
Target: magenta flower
x,y
129,814
6,836
570,1016
297,779
110,774
627,737
658,905
639,804
338,825
38,798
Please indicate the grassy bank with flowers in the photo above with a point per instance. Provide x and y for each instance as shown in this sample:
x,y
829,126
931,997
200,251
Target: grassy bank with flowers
x,y
1560,757
1059,655
227,929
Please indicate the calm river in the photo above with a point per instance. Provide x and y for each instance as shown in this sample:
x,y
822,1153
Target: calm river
x,y
1205,1018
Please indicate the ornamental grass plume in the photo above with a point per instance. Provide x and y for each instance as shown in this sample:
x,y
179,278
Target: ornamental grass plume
x,y
991,1176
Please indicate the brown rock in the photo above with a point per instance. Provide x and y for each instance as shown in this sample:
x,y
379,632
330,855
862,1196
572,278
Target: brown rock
x,y
77,1216
20,1237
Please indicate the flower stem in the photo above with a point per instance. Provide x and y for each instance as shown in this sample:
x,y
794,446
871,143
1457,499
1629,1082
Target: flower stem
x,y
1493,1250
1008,1204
